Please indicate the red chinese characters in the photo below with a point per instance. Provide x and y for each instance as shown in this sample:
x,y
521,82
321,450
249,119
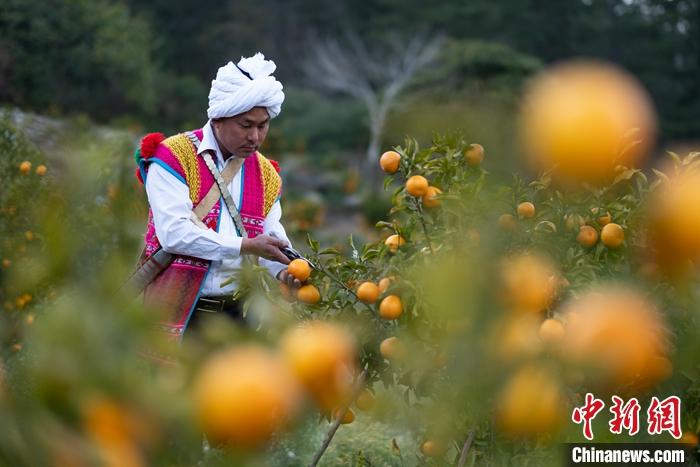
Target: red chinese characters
x,y
625,416
587,413
662,416
665,415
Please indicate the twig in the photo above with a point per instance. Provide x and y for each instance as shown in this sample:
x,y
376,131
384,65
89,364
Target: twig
x,y
465,449
425,227
336,423
342,284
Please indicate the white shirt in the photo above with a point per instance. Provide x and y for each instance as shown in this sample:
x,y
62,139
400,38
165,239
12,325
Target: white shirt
x,y
171,205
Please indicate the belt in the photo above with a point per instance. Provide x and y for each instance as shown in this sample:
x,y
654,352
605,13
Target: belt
x,y
216,304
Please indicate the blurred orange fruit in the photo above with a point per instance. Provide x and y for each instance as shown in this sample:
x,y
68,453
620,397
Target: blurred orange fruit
x,y
432,448
617,334
604,219
474,155
244,395
308,294
612,235
573,221
517,337
507,222
6,263
583,118
389,161
551,331
365,400
300,269
29,235
41,170
392,349
368,292
429,200
391,307
674,221
689,439
384,284
587,236
531,404
526,282
25,167
417,185
526,210
322,356
394,242
348,416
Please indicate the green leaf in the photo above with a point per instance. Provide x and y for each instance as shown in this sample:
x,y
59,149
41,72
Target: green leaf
x,y
313,244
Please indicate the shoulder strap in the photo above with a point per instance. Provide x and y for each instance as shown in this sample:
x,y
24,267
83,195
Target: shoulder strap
x,y
224,178
235,215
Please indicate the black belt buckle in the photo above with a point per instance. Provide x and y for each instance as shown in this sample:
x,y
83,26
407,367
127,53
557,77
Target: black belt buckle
x,y
210,305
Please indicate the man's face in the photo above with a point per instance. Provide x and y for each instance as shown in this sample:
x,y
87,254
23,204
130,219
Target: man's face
x,y
242,135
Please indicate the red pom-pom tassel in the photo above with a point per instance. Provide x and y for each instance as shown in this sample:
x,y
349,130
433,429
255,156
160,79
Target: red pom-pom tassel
x,y
275,164
138,175
149,143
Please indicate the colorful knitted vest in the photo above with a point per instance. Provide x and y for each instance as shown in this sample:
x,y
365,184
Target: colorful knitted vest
x,y
176,290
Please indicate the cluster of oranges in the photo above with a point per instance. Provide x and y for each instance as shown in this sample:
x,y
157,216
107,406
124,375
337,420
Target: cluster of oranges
x,y
244,395
417,185
307,293
25,167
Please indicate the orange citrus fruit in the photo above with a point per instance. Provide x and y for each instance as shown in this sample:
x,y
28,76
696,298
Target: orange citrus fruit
x,y
365,400
507,222
389,161
474,154
432,448
417,185
348,416
6,263
392,348
689,439
603,219
587,236
368,292
573,221
612,235
25,167
568,103
300,269
429,200
244,395
394,242
526,210
322,356
384,284
41,170
532,403
616,334
674,222
526,282
308,294
551,331
391,307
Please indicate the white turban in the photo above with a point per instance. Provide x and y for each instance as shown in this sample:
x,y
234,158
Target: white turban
x,y
239,88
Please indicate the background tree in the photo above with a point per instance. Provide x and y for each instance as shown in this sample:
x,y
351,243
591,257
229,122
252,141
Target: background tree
x,y
374,76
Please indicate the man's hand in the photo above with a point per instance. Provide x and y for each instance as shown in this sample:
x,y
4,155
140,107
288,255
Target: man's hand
x,y
266,247
288,279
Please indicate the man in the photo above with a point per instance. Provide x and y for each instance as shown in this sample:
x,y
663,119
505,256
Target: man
x,y
180,179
